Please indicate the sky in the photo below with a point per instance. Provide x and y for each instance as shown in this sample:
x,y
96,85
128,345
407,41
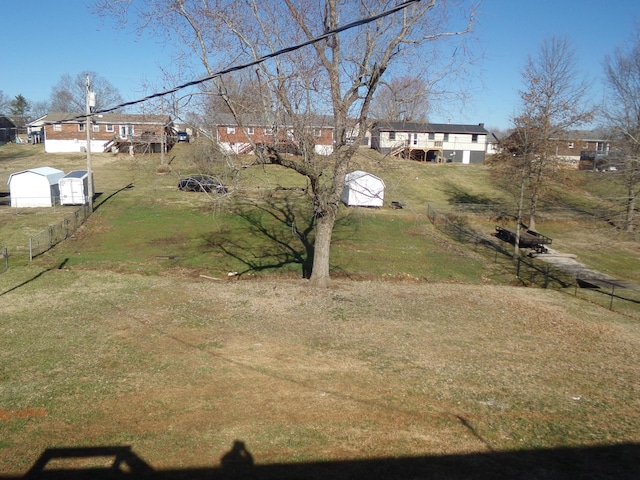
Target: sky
x,y
46,39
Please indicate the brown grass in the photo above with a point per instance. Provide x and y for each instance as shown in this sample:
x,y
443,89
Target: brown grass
x,y
179,369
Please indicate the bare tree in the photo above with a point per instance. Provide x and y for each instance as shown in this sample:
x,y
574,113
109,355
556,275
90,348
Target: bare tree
x,y
622,116
336,74
69,94
552,103
403,98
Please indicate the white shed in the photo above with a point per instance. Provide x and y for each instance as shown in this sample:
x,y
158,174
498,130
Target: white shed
x,y
362,189
37,187
74,188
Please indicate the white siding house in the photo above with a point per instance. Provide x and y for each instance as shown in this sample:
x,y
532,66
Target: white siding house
x,y
37,187
431,142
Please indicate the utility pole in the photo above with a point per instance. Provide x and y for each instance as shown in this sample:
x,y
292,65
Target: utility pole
x,y
89,102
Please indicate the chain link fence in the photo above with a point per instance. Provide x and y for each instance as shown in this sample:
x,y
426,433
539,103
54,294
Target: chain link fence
x,y
54,234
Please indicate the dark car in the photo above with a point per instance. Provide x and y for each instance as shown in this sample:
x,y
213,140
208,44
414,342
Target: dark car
x,y
201,183
183,136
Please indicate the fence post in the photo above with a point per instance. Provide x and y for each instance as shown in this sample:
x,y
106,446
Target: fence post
x,y
546,276
613,289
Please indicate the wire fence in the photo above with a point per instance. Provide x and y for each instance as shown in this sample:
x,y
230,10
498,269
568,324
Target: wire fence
x,y
54,234
618,295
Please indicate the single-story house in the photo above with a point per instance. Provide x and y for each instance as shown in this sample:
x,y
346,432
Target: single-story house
x,y
37,187
233,136
431,142
362,189
66,132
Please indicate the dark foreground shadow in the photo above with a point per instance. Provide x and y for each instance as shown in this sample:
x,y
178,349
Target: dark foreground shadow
x,y
619,462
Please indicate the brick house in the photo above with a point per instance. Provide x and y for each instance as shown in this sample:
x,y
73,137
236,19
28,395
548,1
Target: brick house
x,y
66,132
431,142
234,138
581,149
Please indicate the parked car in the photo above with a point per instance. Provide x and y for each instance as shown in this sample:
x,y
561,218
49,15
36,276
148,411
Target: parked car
x,y
183,137
202,183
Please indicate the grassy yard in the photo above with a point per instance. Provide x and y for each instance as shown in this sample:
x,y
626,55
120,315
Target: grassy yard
x,y
423,359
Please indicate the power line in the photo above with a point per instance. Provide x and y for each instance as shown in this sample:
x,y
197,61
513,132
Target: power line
x,y
257,61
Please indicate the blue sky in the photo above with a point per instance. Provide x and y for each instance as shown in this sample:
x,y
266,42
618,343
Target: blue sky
x,y
45,39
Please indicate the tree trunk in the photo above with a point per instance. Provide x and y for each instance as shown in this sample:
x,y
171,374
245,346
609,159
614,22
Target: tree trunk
x,y
631,207
324,228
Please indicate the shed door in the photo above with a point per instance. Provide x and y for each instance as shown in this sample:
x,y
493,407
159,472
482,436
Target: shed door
x,y
77,193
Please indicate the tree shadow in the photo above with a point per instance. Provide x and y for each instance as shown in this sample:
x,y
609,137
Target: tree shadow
x,y
568,463
457,195
281,233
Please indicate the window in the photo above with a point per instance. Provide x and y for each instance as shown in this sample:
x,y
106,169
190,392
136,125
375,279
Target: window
x,y
268,131
474,138
415,139
432,136
96,128
250,130
570,145
231,130
392,135
446,137
317,132
109,128
57,127
81,127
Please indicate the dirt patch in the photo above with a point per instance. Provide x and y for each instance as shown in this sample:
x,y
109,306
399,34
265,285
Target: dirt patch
x,y
6,415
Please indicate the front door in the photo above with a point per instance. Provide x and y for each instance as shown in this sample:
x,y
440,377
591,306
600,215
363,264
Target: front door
x,y
466,156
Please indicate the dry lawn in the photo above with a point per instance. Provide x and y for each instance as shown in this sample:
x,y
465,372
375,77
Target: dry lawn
x,y
179,369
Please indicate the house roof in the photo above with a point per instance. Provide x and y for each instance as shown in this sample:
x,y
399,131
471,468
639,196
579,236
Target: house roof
x,y
419,127
110,118
6,122
221,118
584,135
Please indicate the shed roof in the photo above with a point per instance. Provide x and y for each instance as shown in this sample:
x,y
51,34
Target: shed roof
x,y
357,174
52,174
76,174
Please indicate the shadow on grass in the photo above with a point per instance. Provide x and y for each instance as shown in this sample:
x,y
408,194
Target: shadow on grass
x,y
97,205
619,462
278,234
457,195
35,277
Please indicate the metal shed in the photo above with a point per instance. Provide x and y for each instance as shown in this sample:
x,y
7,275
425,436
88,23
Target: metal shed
x,y
37,187
74,188
362,189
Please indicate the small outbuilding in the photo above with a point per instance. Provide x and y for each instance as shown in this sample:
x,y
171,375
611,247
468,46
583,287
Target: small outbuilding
x,y
362,189
74,188
37,187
